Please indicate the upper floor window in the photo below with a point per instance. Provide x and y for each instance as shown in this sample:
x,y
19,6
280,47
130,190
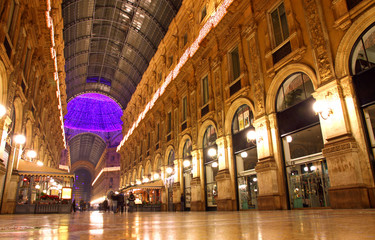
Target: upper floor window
x,y
363,53
184,39
184,109
13,10
205,94
160,76
279,25
170,61
235,64
296,88
148,140
157,132
203,12
169,122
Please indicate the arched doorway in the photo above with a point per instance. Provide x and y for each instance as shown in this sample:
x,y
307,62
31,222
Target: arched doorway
x,y
245,155
302,141
82,185
187,172
211,166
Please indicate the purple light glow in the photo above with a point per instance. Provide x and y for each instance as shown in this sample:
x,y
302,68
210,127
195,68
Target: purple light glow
x,y
93,112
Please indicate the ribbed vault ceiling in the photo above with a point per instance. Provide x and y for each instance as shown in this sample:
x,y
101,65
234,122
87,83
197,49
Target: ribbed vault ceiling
x,y
86,147
109,43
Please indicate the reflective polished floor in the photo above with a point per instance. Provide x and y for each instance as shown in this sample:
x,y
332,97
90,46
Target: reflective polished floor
x,y
307,224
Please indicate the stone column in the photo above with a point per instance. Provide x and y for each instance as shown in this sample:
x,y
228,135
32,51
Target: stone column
x,y
223,178
268,169
197,200
345,149
4,125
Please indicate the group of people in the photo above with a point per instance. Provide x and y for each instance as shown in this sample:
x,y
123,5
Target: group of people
x,y
118,203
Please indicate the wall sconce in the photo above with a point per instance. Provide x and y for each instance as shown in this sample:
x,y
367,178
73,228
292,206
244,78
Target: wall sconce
x,y
212,152
186,163
169,170
322,107
156,176
252,137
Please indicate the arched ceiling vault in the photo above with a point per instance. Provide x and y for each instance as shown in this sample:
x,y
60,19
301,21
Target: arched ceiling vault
x,y
109,43
86,147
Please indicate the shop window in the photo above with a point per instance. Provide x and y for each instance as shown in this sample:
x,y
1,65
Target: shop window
x,y
242,119
210,166
363,53
279,25
296,88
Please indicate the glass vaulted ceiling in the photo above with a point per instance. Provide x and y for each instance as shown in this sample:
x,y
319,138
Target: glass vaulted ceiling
x,y
109,43
108,46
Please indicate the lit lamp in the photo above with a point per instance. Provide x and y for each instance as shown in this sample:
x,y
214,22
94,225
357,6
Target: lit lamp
x,y
3,111
212,152
156,176
252,136
169,170
322,108
186,163
31,154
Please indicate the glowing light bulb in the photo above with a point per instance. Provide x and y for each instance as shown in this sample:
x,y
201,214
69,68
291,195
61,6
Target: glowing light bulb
x,y
214,164
244,154
212,152
169,170
186,163
289,139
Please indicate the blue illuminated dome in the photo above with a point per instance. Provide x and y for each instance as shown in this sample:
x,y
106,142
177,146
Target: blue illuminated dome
x,y
93,112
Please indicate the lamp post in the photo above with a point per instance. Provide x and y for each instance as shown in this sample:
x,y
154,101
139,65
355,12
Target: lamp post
x,y
20,140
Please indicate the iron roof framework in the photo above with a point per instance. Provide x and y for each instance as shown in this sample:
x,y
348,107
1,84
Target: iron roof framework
x,y
112,41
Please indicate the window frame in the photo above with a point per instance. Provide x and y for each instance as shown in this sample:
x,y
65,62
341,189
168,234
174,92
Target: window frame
x,y
231,65
272,30
184,109
204,103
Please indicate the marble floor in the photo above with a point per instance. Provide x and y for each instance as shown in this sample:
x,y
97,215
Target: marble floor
x,y
298,224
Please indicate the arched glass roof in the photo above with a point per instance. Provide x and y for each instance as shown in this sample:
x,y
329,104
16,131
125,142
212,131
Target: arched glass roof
x,y
93,112
109,43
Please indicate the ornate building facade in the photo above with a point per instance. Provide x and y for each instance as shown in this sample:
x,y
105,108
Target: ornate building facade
x,y
32,89
224,112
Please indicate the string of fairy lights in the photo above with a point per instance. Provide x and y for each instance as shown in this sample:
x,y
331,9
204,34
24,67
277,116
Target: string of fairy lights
x,y
211,23
50,25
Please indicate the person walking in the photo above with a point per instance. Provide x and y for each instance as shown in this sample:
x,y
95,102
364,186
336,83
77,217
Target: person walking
x,y
74,205
105,205
120,202
182,202
131,202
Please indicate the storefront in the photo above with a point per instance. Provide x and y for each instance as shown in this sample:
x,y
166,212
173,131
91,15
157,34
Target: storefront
x,y
169,180
300,132
43,190
245,155
187,173
210,167
147,196
362,67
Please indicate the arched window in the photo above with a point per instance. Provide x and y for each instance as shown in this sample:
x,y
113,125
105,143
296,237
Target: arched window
x,y
209,138
363,52
296,88
186,153
171,158
242,119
